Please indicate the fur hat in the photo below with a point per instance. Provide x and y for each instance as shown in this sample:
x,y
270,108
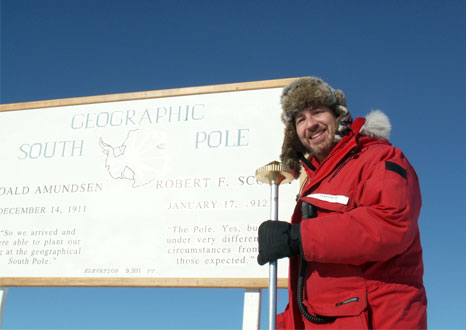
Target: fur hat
x,y
301,94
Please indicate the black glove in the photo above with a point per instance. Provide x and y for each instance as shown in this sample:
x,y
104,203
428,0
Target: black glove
x,y
278,239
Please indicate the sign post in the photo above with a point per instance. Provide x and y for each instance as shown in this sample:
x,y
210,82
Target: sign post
x,y
3,296
251,309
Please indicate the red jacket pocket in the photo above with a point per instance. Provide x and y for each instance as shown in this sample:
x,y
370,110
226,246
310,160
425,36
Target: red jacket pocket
x,y
342,304
335,290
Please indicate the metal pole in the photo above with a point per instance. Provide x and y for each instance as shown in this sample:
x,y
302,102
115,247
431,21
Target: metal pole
x,y
274,174
273,265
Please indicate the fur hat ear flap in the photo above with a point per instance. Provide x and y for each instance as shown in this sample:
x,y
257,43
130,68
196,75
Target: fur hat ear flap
x,y
292,150
344,121
341,99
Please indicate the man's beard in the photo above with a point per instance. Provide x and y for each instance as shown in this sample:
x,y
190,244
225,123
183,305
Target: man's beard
x,y
323,150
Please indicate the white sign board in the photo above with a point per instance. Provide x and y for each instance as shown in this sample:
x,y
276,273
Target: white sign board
x,y
152,188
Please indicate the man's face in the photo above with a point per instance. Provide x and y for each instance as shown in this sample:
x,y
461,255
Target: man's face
x,y
316,127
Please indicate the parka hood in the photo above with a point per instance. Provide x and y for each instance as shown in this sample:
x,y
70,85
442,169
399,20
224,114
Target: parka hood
x,y
377,125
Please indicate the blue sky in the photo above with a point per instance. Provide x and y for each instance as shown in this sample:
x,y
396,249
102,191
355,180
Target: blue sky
x,y
404,57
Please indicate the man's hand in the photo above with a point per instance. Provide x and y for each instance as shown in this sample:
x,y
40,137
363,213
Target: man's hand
x,y
278,239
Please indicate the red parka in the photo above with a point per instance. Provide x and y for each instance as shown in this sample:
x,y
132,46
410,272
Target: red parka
x,y
363,251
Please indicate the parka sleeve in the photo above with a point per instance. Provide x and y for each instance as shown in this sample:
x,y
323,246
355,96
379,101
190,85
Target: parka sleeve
x,y
383,223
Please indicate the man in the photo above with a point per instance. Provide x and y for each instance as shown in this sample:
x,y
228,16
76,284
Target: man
x,y
353,242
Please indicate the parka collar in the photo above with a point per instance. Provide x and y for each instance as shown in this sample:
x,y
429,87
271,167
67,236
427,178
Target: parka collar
x,y
349,144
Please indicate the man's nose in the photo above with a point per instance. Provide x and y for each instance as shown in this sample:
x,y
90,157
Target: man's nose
x,y
311,123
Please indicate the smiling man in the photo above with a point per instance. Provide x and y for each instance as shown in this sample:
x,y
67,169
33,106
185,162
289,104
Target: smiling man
x,y
315,127
353,241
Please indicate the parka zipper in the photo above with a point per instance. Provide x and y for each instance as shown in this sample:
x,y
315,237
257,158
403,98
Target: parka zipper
x,y
351,154
354,299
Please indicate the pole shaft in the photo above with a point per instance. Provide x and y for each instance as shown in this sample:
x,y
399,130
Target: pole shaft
x,y
273,265
3,295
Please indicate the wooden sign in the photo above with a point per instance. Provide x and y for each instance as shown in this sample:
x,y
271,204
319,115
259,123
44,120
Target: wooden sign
x,y
140,189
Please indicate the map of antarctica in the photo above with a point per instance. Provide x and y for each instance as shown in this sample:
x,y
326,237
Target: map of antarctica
x,y
141,157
